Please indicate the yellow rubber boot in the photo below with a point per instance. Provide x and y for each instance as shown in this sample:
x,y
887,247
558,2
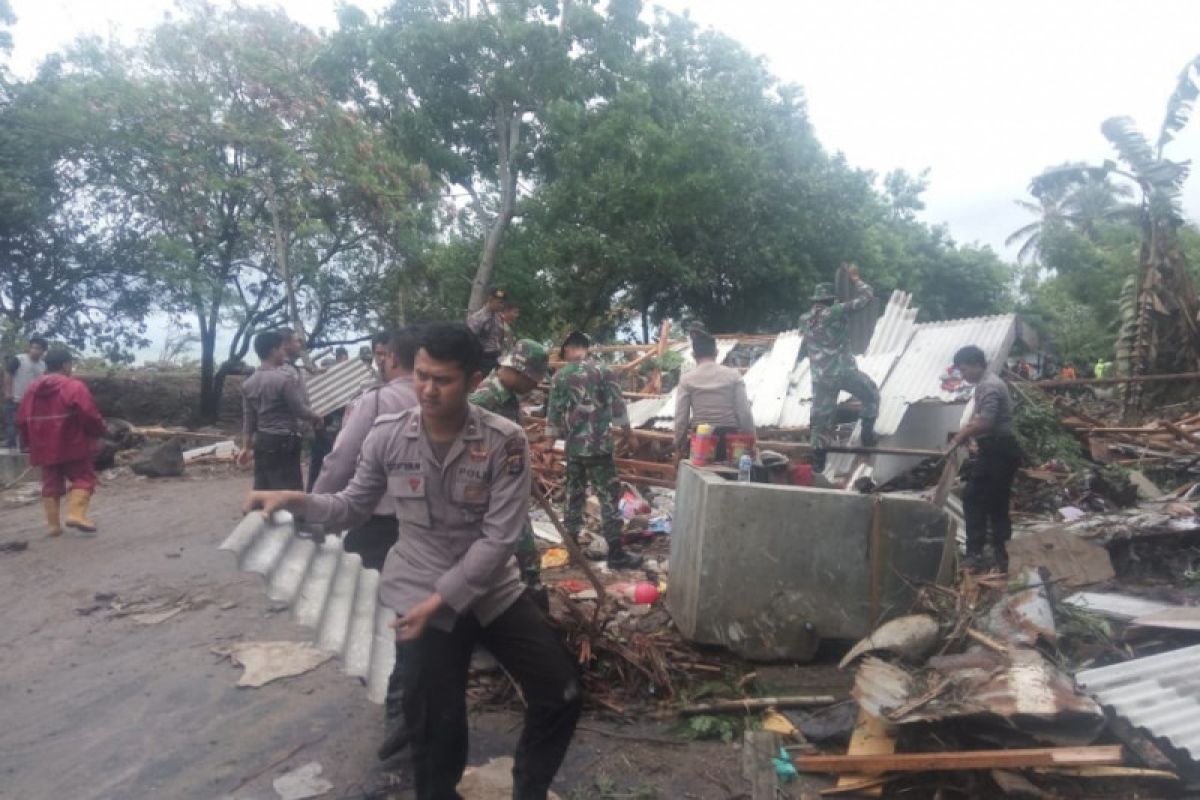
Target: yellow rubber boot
x,y
77,506
52,520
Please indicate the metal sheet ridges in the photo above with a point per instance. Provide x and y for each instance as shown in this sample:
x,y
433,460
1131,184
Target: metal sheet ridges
x,y
328,591
1159,694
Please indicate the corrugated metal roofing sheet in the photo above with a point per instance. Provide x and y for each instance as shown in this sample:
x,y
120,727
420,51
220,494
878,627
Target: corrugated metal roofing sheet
x,y
337,386
328,590
1159,694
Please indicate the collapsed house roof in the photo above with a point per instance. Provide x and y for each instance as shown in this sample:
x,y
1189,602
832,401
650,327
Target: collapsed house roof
x,y
907,359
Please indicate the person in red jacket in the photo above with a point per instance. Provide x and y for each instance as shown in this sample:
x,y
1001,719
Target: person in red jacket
x,y
60,421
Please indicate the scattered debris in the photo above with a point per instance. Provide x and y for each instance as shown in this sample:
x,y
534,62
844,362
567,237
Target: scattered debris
x,y
912,637
1069,559
972,759
492,781
302,782
160,461
268,661
14,547
555,557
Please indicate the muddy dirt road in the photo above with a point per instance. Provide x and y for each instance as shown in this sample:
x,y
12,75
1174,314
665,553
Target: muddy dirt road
x,y
96,704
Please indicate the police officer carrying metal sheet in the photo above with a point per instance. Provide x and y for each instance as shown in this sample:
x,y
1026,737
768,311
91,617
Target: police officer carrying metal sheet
x,y
460,478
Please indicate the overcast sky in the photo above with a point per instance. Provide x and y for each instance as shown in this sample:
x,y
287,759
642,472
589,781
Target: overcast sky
x,y
984,93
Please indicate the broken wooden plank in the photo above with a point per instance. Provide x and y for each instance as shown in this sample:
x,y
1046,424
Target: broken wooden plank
x,y
759,748
871,737
758,704
1099,755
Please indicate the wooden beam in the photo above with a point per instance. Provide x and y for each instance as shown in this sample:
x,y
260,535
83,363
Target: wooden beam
x,y
759,750
758,704
1178,376
1101,755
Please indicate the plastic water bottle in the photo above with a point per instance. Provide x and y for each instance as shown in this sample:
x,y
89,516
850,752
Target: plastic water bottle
x,y
744,465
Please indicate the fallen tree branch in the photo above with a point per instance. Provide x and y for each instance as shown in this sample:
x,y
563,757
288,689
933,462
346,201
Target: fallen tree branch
x,y
758,704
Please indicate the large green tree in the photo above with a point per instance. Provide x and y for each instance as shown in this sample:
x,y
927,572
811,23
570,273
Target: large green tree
x,y
266,198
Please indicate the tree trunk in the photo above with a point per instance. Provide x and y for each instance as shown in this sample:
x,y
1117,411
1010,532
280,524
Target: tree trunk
x,y
210,397
281,258
508,138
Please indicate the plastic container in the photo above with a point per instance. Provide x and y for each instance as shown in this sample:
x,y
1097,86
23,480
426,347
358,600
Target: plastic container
x,y
802,475
640,592
704,429
704,445
738,445
745,465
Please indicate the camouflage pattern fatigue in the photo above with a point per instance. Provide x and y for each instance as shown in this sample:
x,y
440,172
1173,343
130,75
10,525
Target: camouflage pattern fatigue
x,y
831,361
493,396
602,472
585,403
824,404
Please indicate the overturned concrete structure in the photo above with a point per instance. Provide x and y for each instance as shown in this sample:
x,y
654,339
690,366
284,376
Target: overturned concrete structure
x,y
768,571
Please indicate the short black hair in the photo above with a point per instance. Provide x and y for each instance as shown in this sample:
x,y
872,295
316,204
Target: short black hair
x,y
39,341
285,332
268,342
382,338
403,343
452,341
58,358
970,356
704,346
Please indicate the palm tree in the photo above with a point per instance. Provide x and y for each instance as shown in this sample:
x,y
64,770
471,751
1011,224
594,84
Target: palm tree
x,y
1086,199
1161,330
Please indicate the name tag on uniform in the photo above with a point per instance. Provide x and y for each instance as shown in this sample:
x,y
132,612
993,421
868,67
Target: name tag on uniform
x,y
409,485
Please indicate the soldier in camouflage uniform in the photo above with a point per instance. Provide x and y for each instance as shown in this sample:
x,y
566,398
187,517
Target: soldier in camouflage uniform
x,y
832,364
519,373
585,403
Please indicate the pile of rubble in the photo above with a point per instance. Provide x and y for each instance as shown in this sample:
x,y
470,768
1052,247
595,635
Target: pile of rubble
x,y
1000,685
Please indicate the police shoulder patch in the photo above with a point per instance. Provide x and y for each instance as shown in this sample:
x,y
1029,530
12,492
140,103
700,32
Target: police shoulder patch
x,y
514,455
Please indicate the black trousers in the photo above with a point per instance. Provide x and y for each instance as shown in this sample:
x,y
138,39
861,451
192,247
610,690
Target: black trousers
x,y
277,462
372,540
988,491
489,362
322,443
435,699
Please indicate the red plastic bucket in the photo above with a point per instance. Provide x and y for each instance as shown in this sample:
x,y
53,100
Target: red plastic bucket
x,y
702,449
737,445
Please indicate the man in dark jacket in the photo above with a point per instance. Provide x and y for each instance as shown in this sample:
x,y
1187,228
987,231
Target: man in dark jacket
x,y
60,421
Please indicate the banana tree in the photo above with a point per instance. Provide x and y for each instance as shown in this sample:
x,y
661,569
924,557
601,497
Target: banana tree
x,y
1160,328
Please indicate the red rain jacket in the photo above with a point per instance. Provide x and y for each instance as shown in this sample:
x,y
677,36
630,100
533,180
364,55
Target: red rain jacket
x,y
58,419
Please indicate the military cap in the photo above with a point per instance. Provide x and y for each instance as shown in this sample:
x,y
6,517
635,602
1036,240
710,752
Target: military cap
x,y
529,358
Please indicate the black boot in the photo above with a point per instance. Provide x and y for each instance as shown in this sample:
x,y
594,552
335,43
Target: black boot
x,y
817,459
867,434
395,732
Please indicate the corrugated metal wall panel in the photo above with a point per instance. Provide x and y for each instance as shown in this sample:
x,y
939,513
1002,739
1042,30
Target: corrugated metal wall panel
x,y
328,590
1159,694
340,384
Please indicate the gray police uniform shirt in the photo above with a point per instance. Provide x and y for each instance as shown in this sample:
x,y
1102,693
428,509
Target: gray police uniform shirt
x,y
338,468
714,394
994,404
273,402
26,373
459,519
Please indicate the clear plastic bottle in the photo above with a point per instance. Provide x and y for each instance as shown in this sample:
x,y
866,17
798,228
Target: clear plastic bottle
x,y
744,465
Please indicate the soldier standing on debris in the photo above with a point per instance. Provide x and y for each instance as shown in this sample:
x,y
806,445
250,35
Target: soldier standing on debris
x,y
585,403
59,420
711,394
832,365
460,477
274,411
990,477
520,372
488,324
